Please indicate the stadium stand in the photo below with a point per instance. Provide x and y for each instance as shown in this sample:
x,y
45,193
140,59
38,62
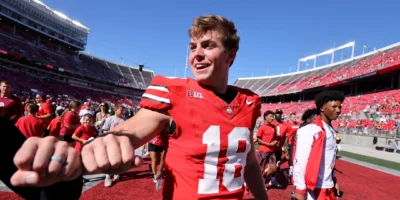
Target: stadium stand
x,y
364,65
42,46
370,82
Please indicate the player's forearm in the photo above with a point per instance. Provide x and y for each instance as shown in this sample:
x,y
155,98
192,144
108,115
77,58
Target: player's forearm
x,y
78,139
143,127
44,116
255,181
261,142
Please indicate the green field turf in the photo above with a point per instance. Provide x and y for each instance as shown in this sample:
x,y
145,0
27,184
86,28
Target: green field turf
x,y
371,160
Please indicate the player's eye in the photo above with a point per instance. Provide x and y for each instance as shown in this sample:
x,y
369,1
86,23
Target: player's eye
x,y
208,45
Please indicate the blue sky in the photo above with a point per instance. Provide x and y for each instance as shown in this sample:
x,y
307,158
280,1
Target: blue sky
x,y
274,34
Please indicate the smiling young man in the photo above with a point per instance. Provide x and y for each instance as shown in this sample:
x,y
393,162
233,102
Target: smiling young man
x,y
315,150
210,155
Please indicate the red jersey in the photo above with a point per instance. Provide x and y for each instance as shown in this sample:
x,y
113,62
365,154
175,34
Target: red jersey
x,y
84,132
281,131
11,108
31,126
207,152
45,109
54,127
266,133
292,129
70,118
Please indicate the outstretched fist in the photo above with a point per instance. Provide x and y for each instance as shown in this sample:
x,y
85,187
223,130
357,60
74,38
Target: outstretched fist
x,y
110,154
45,161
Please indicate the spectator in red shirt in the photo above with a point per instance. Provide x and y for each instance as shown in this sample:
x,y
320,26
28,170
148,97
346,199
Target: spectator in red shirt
x,y
55,125
29,125
84,132
45,111
293,125
10,105
70,121
267,144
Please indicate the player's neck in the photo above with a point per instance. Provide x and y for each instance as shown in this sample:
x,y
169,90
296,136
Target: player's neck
x,y
218,88
221,89
326,119
117,116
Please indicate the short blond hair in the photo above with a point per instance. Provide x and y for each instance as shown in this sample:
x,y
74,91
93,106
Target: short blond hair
x,y
227,30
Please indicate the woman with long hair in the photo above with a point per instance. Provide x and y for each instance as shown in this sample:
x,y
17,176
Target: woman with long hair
x,y
70,121
102,115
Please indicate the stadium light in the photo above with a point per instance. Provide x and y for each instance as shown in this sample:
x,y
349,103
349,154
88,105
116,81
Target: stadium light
x,y
327,52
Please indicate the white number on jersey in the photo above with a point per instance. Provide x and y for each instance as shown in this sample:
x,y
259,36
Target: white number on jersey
x,y
236,160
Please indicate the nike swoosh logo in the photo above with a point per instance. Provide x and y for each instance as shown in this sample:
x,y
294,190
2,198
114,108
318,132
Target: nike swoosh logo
x,y
249,102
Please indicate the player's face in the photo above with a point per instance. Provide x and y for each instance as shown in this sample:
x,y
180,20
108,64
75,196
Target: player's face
x,y
278,116
209,61
38,99
332,109
4,88
293,118
119,112
269,118
87,121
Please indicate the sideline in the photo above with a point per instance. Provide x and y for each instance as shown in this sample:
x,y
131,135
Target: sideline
x,y
371,166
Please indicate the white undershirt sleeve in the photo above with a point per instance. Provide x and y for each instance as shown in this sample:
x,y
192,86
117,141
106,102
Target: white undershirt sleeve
x,y
303,149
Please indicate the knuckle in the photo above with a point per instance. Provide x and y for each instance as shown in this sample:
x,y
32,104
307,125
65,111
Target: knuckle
x,y
19,160
50,139
104,164
109,138
32,140
116,163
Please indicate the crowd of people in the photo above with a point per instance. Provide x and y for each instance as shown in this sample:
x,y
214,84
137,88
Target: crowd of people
x,y
68,121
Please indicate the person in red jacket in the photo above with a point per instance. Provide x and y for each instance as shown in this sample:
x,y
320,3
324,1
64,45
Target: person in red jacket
x,y
315,150
29,125
10,105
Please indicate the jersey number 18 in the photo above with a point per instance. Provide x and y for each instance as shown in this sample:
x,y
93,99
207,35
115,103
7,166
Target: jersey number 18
x,y
238,137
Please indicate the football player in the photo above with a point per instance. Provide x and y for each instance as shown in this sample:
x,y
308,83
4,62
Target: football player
x,y
210,155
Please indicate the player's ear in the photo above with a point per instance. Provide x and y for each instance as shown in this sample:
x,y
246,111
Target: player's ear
x,y
231,56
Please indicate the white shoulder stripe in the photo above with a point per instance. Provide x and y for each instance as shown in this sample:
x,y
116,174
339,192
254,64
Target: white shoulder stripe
x,y
160,88
156,98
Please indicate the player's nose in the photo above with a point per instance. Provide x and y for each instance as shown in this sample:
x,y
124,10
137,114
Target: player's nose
x,y
198,53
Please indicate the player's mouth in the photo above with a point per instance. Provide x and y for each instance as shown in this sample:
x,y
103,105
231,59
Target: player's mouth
x,y
201,67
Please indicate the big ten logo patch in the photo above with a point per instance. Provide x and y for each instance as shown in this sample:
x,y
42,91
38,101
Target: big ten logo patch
x,y
194,94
